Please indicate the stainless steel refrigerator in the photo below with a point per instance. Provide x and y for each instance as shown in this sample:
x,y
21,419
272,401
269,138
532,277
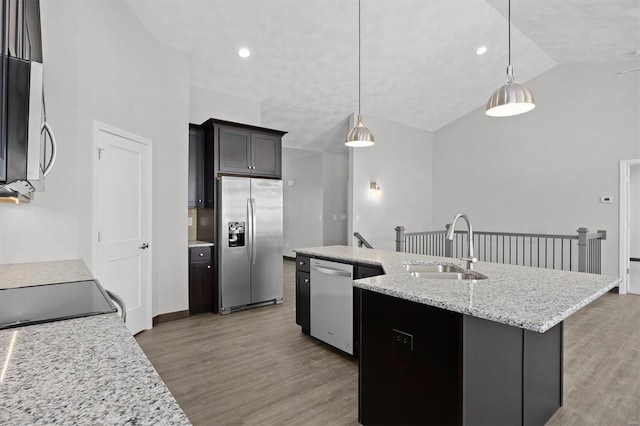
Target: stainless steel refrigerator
x,y
249,242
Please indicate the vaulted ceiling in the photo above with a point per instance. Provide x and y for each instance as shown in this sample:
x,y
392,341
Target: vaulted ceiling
x,y
419,61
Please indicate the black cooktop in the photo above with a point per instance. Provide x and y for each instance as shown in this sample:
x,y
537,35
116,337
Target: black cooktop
x,y
52,302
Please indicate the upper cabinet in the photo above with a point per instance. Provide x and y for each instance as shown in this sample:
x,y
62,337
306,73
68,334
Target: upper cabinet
x,y
196,167
22,20
246,150
235,150
266,154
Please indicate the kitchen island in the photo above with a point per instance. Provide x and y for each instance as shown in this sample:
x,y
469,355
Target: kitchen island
x,y
436,351
80,371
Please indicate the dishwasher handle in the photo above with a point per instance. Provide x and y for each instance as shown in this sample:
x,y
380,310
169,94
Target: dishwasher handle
x,y
328,271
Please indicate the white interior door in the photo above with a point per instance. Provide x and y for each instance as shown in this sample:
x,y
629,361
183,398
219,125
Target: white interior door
x,y
123,220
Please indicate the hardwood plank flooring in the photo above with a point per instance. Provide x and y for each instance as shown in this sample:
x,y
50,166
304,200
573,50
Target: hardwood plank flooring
x,y
255,367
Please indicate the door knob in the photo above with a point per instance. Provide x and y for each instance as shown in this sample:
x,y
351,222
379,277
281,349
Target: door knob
x,y
144,246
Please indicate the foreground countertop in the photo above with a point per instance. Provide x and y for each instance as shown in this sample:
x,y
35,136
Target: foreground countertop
x,y
81,371
535,299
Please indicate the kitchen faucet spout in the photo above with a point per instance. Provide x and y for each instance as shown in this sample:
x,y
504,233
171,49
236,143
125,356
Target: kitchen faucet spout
x,y
470,259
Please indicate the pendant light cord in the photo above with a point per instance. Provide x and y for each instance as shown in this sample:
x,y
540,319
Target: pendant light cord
x,y
509,13
359,66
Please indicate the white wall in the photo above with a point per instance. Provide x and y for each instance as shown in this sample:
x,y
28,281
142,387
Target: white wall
x,y
544,171
100,64
205,104
401,163
335,168
47,228
302,201
634,249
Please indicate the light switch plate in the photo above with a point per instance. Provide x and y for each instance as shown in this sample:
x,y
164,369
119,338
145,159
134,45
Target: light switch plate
x,y
189,221
606,199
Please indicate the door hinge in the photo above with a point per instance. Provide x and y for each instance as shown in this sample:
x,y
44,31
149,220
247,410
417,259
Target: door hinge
x,y
100,153
98,236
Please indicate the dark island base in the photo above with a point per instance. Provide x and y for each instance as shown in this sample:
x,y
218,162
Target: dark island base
x,y
424,365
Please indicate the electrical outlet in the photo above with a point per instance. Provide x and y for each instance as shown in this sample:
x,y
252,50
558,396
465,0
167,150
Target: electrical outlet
x,y
405,340
189,221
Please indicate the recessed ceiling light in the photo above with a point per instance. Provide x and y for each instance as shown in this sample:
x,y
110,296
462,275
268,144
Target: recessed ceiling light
x,y
481,50
244,52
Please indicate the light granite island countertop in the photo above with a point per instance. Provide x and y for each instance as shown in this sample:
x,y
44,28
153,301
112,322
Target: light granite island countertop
x,y
80,371
442,351
530,298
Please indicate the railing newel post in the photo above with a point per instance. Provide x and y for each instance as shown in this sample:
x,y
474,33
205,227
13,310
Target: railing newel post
x,y
399,238
582,249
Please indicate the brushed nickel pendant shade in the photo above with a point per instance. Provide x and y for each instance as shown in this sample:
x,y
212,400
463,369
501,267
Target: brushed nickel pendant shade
x,y
359,136
512,98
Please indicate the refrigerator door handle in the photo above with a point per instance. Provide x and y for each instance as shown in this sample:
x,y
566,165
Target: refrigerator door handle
x,y
254,246
250,229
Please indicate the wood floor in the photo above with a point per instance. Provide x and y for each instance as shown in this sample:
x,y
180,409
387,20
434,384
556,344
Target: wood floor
x,y
255,367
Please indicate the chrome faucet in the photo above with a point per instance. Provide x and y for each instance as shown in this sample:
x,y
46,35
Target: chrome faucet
x,y
470,259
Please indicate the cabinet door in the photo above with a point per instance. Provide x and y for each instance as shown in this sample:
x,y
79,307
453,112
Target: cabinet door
x,y
200,287
235,150
302,301
266,154
196,168
410,362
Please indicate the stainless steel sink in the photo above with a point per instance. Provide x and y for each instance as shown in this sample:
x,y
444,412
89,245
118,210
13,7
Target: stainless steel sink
x,y
432,268
450,275
438,271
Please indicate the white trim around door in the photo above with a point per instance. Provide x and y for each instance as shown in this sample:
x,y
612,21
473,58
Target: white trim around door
x,y
624,206
122,219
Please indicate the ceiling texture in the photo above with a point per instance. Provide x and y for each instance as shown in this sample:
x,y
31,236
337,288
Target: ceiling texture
x,y
419,62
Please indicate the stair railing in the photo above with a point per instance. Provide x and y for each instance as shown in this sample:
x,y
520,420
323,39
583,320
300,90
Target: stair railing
x,y
580,252
362,241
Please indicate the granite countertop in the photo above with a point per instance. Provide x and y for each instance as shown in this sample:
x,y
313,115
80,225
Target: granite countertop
x,y
535,299
198,243
80,371
26,274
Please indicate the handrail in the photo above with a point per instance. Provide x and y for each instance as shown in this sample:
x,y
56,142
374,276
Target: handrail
x,y
580,251
362,241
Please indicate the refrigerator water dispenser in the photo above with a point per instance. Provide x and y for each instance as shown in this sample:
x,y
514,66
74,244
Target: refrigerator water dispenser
x,y
236,234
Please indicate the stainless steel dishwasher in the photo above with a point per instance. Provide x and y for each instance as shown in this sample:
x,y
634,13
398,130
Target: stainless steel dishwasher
x,y
332,303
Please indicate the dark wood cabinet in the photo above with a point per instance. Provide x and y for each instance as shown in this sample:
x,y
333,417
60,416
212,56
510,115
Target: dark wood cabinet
x,y
303,293
410,363
196,167
245,150
23,36
266,155
202,297
424,365
234,150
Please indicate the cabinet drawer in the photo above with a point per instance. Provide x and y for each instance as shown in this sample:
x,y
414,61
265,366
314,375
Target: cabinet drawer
x,y
302,263
199,253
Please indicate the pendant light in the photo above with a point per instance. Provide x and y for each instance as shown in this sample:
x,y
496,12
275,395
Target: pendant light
x,y
512,98
359,136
